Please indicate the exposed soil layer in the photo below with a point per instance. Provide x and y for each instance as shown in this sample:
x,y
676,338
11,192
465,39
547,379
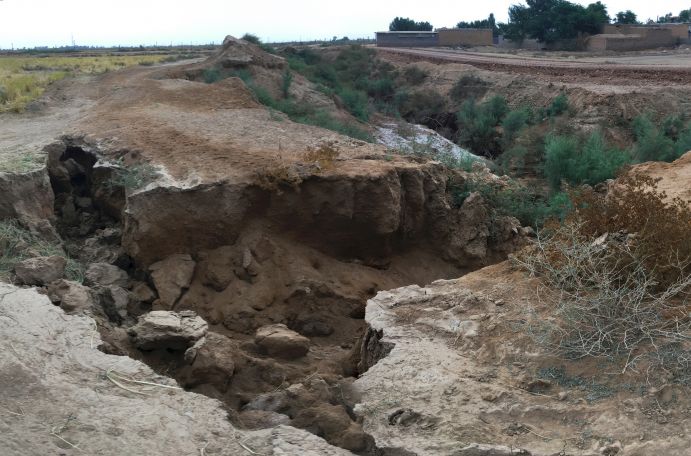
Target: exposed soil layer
x,y
562,69
245,257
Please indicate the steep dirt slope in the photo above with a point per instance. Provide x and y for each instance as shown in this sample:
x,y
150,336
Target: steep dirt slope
x,y
674,178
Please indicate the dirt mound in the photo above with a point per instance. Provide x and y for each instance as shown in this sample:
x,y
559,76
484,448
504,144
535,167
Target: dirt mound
x,y
235,52
453,369
674,177
203,133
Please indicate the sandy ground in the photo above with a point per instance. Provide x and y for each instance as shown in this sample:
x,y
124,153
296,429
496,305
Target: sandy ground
x,y
661,69
23,136
463,377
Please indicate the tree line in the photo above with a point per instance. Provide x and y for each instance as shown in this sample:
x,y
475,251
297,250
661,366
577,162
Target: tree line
x,y
547,21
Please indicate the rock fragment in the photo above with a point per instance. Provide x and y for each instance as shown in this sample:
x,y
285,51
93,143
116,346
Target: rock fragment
x,y
70,296
281,342
40,270
104,274
171,276
168,330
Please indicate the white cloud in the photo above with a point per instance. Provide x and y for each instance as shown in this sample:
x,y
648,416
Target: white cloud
x,y
28,23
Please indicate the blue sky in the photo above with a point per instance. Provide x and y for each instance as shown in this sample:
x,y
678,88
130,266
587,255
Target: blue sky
x,y
28,23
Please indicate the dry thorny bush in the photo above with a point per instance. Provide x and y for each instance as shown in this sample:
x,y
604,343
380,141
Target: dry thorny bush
x,y
620,267
278,175
323,156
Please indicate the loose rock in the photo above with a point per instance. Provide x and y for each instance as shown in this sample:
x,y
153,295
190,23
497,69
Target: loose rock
x,y
40,270
170,330
281,342
211,362
104,274
70,296
171,276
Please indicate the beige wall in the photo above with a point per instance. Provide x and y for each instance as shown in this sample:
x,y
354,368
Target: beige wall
x,y
680,31
465,37
652,38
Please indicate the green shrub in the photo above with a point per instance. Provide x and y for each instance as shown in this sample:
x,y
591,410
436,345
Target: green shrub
x,y
651,143
496,107
672,126
683,144
531,208
468,86
211,75
326,74
251,38
355,102
324,120
477,125
306,114
381,89
415,75
355,62
514,122
242,73
286,81
420,106
559,106
570,159
513,160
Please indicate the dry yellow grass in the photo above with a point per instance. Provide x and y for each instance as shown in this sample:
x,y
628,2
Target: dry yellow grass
x,y
25,78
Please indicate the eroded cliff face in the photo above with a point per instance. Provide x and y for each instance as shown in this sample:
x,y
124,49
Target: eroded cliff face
x,y
367,217
453,368
190,205
244,256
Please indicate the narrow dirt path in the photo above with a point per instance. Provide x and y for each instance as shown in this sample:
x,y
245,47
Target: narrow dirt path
x,y
23,136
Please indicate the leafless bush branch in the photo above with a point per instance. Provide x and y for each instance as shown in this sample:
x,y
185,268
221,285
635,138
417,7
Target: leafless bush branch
x,y
609,301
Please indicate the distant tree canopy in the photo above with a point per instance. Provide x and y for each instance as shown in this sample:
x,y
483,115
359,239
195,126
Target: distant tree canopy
x,y
490,22
404,24
626,17
684,16
551,20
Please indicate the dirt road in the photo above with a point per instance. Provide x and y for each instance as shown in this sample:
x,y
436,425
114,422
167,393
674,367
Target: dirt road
x,y
653,69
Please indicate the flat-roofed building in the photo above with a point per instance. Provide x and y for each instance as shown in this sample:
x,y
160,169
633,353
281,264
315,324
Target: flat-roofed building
x,y
407,39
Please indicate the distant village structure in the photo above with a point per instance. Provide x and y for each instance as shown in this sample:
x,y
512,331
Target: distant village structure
x,y
614,37
440,37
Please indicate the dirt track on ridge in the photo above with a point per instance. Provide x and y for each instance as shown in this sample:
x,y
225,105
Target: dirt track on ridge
x,y
660,70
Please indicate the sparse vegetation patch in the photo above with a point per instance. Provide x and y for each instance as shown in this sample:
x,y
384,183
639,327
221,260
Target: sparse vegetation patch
x,y
621,269
18,243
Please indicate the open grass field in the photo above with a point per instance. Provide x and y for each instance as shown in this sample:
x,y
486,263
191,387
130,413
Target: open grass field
x,y
25,78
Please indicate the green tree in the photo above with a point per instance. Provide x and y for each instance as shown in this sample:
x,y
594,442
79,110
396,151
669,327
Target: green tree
x,y
404,24
250,38
551,20
489,23
626,17
685,16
